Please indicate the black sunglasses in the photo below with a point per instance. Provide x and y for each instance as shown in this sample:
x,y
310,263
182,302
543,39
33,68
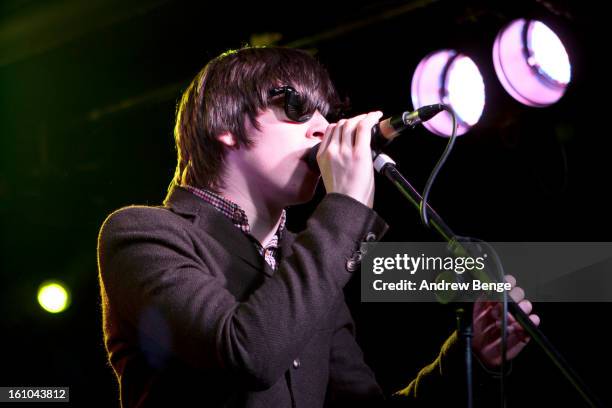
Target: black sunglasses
x,y
294,103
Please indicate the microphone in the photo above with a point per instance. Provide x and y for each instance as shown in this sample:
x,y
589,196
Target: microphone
x,y
386,130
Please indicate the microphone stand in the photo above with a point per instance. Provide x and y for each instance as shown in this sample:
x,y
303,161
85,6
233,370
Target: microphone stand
x,y
386,166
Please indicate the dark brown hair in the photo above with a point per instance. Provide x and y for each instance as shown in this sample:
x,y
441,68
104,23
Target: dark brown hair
x,y
231,88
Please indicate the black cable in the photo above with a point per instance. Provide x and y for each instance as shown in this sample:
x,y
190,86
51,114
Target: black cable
x,y
504,336
425,219
504,325
434,173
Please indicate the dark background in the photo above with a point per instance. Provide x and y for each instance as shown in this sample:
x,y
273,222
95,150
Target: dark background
x,y
88,95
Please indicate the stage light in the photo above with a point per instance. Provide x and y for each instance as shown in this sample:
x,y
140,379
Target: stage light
x,y
451,78
53,297
531,63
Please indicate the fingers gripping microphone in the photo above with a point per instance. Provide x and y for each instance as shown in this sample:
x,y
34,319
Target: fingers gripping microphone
x,y
387,129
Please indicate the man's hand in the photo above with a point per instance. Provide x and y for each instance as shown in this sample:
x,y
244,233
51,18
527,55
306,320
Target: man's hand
x,y
345,157
487,328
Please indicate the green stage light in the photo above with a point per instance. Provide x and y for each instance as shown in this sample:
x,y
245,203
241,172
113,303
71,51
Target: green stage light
x,y
53,297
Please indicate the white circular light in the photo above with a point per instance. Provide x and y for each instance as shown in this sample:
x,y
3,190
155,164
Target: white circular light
x,y
549,54
466,91
451,78
531,63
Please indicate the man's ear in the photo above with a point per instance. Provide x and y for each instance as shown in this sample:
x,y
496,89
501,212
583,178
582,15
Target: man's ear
x,y
227,139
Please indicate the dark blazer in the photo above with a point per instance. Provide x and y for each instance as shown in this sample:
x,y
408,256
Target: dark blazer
x,y
194,316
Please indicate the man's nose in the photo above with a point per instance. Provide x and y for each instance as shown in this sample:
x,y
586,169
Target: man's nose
x,y
317,125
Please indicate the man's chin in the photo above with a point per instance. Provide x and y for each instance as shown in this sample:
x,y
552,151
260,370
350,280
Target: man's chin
x,y
307,190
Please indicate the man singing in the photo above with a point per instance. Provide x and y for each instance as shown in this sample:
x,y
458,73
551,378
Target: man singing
x,y
210,301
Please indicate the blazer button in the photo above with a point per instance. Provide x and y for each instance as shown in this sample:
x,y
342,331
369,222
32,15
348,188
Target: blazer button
x,y
296,363
354,261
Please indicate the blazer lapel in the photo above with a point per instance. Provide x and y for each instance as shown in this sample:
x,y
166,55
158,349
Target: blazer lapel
x,y
217,225
230,237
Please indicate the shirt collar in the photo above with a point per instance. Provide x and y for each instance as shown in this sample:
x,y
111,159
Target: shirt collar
x,y
236,214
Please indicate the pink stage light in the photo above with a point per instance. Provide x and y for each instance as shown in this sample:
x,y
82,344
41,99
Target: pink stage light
x,y
451,78
531,63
